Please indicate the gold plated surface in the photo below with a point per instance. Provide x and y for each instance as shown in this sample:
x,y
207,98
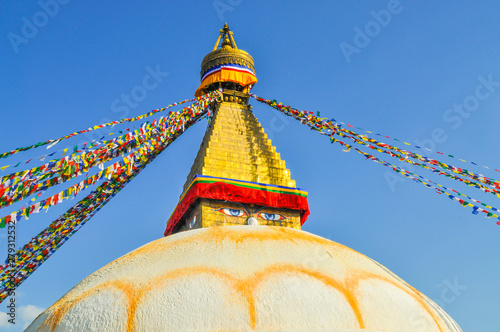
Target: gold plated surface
x,y
236,147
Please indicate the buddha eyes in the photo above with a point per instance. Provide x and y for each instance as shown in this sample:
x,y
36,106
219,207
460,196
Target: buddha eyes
x,y
233,212
271,216
242,213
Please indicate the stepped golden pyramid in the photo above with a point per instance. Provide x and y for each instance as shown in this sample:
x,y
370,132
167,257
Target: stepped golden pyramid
x,y
235,146
234,257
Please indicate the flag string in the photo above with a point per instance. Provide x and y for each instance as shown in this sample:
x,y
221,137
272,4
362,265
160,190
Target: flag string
x,y
52,142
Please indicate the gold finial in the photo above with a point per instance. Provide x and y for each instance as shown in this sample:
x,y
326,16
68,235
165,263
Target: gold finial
x,y
226,43
227,36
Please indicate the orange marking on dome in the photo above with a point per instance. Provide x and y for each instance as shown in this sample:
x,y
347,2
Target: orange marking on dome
x,y
244,288
247,287
236,284
64,305
217,234
355,278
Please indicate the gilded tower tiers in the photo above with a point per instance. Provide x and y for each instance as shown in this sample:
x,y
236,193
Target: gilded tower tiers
x,y
237,176
235,146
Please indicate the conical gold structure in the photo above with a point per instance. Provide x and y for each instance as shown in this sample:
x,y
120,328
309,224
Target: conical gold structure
x,y
237,176
235,146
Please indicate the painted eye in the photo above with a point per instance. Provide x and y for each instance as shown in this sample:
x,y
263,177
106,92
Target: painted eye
x,y
271,216
193,222
233,212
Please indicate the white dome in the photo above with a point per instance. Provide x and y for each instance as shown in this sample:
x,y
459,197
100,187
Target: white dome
x,y
243,278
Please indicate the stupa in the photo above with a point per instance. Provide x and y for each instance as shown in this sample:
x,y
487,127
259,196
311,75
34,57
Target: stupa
x,y
233,257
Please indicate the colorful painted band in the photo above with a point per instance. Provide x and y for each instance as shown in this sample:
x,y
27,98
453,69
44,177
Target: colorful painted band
x,y
235,67
239,192
230,74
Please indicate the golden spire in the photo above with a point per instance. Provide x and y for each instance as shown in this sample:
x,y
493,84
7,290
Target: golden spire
x,y
237,176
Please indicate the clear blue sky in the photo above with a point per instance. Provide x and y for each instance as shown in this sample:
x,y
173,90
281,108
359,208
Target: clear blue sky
x,y
401,81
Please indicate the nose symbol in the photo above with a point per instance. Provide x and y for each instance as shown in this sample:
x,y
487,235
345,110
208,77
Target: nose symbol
x,y
252,221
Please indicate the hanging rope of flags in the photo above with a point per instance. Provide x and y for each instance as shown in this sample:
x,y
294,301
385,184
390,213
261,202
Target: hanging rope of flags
x,y
415,146
489,188
25,261
421,179
80,147
21,264
94,143
332,127
53,142
17,186
76,150
165,125
490,183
